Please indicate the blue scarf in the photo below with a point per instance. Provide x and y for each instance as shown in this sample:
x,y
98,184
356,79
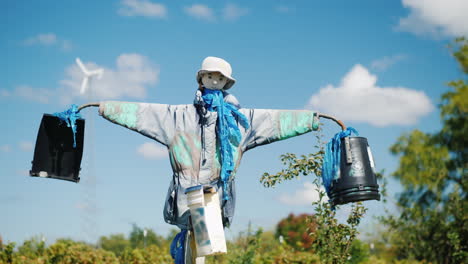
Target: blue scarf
x,y
331,163
70,116
228,133
177,249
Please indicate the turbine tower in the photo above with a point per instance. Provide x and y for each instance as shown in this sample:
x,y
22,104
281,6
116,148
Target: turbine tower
x,y
90,208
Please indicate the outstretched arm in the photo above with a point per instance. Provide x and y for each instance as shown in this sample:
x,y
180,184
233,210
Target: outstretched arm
x,y
268,126
156,121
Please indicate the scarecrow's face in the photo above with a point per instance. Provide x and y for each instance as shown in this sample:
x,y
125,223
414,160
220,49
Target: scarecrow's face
x,y
214,80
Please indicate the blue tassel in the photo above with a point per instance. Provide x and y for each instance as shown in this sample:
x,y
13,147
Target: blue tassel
x,y
70,116
178,247
331,162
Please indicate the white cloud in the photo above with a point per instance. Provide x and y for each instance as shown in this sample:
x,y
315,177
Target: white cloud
x,y
5,148
39,95
152,151
4,93
284,9
142,8
304,196
131,77
48,39
232,12
435,17
26,145
202,12
359,99
386,62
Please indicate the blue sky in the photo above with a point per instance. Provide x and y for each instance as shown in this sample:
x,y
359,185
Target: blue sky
x,y
380,66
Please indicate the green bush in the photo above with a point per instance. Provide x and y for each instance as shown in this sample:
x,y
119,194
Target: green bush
x,y
70,252
149,255
116,243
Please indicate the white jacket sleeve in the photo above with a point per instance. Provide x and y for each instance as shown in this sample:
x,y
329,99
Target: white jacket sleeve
x,y
156,121
268,126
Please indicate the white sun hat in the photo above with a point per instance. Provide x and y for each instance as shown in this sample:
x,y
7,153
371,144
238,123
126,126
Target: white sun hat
x,y
214,64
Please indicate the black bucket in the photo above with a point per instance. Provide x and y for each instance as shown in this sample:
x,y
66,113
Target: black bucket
x,y
54,154
357,180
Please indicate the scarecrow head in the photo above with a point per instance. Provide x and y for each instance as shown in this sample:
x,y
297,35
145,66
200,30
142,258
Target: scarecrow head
x,y
215,74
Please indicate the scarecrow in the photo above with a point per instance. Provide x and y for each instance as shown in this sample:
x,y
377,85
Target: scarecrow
x,y
207,139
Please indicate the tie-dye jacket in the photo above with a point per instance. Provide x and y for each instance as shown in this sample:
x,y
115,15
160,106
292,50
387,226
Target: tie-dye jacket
x,y
190,137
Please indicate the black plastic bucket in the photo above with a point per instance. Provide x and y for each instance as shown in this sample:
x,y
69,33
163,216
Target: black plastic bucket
x,y
356,181
54,154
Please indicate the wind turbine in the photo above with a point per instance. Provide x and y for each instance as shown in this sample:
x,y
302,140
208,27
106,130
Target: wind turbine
x,y
88,74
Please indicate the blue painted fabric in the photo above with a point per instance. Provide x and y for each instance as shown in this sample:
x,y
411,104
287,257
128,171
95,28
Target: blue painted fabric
x,y
331,162
70,116
228,132
178,247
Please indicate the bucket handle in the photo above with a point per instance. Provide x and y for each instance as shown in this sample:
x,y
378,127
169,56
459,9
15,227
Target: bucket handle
x,y
349,158
87,105
339,122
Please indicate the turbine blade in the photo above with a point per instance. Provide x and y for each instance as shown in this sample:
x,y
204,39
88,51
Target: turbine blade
x,y
82,67
96,72
84,84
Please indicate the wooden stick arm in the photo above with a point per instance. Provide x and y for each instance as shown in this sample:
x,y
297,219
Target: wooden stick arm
x,y
339,122
87,105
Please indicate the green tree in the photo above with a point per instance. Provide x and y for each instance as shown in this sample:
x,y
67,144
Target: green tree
x,y
433,168
139,240
32,248
6,252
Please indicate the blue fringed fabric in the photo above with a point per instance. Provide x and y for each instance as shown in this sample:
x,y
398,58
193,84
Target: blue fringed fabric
x,y
178,247
70,116
331,162
228,132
